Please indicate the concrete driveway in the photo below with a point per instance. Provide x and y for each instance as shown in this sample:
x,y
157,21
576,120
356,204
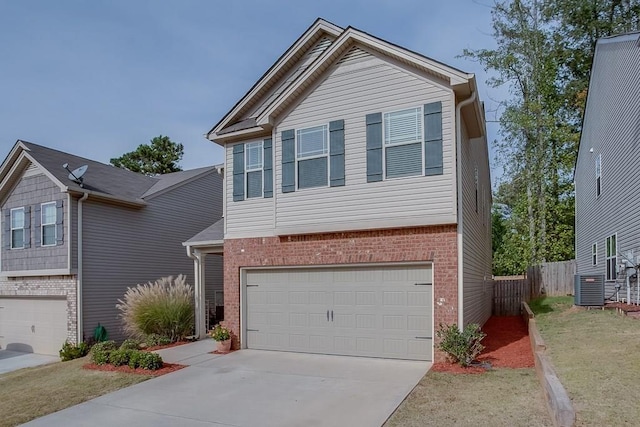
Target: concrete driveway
x,y
257,388
14,360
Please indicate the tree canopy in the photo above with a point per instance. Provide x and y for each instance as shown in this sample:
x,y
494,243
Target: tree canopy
x,y
543,54
160,156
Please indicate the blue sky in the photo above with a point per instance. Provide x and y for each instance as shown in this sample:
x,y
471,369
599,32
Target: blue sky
x,y
98,78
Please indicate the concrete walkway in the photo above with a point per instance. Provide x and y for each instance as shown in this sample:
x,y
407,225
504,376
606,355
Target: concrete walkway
x,y
14,360
254,388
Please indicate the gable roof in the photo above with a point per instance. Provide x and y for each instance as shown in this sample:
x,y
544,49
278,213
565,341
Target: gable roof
x,y
233,125
100,180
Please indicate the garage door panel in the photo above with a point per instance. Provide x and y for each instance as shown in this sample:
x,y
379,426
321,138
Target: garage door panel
x,y
377,311
33,324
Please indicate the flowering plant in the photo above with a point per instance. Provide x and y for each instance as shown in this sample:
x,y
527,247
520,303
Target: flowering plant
x,y
220,333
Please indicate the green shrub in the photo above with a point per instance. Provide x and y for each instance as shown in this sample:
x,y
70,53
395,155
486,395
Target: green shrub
x,y
101,351
134,358
130,344
71,351
150,361
153,340
120,357
462,347
164,308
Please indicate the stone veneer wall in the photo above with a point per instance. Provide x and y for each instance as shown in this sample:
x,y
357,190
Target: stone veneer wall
x,y
437,244
46,286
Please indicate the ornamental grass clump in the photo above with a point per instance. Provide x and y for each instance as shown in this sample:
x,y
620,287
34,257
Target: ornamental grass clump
x,y
164,307
461,346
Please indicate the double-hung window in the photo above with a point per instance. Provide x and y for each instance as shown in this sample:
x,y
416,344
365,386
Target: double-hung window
x,y
312,156
403,143
17,228
253,168
594,254
598,174
612,258
48,223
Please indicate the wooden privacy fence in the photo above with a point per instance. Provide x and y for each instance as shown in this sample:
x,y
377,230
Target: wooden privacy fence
x,y
553,278
508,295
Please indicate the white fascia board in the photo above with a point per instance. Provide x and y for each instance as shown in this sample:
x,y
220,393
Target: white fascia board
x,y
320,25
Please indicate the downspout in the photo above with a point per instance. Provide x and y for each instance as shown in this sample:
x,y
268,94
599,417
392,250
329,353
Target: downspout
x,y
79,286
464,103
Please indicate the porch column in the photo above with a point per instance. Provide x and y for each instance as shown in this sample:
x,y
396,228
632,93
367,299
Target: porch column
x,y
200,309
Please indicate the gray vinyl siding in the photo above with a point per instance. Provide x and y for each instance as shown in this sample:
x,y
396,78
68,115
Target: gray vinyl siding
x,y
123,247
476,237
351,90
611,128
32,191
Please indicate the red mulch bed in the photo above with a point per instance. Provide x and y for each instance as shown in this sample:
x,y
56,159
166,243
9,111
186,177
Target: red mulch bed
x,y
166,368
160,347
506,345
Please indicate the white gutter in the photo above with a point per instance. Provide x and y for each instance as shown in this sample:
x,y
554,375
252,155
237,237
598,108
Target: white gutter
x,y
79,325
464,103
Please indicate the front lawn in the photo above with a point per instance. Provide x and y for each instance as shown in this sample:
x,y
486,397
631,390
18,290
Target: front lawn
x,y
500,397
33,392
596,354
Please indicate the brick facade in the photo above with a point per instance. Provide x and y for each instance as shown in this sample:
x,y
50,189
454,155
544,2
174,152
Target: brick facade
x,y
46,286
437,244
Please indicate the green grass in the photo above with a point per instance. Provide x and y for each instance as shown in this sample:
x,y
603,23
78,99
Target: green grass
x,y
501,397
596,354
34,392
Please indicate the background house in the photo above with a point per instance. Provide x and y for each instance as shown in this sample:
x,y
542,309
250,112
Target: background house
x,y
606,177
357,200
71,249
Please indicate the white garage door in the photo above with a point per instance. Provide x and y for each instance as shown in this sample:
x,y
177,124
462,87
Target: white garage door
x,y
35,325
365,311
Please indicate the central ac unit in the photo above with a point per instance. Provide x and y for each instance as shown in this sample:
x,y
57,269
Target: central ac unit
x,y
589,289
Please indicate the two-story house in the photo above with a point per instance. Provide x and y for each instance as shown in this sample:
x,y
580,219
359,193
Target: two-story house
x,y
357,198
72,245
607,219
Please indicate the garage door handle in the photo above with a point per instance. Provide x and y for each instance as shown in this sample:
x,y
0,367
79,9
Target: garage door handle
x,y
332,315
423,338
327,315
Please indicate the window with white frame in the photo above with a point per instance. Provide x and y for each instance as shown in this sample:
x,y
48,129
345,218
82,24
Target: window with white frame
x,y
598,174
594,254
48,223
403,147
312,156
253,168
17,228
612,258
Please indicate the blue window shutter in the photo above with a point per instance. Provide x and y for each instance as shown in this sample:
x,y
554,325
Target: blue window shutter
x,y
27,227
267,167
59,222
238,172
38,225
288,161
433,138
336,153
374,147
7,228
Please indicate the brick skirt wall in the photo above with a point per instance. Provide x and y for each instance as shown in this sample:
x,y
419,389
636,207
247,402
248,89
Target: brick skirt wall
x,y
46,286
437,244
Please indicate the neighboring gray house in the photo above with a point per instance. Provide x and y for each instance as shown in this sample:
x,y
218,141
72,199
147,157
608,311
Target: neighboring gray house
x,y
69,251
607,174
357,201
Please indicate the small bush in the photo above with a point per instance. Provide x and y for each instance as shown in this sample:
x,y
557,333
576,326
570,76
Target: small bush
x,y
151,361
153,340
462,347
71,351
120,357
130,344
101,351
220,333
134,358
164,308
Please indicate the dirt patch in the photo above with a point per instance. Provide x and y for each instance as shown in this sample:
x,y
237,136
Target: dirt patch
x,y
166,368
506,345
